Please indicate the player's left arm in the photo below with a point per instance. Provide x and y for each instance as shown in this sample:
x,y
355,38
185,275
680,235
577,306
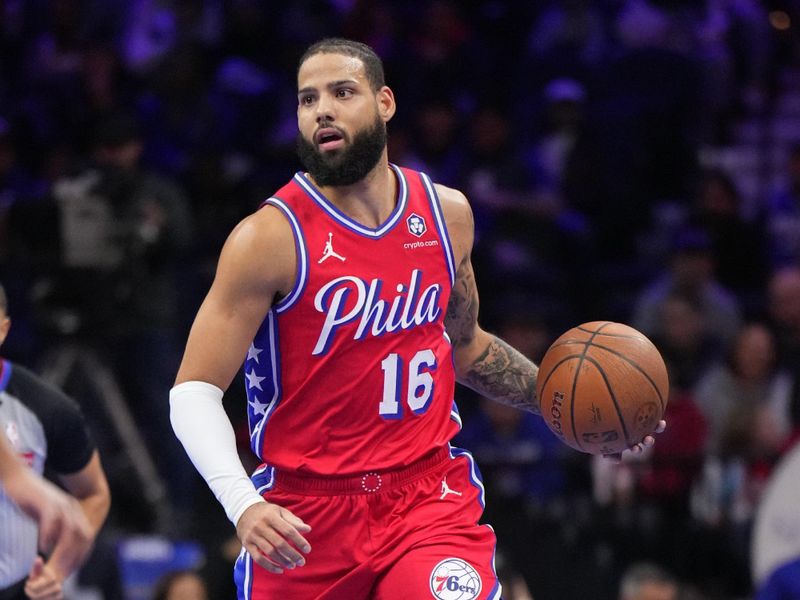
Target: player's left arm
x,y
90,488
483,361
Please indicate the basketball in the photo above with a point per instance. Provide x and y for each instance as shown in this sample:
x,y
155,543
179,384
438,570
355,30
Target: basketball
x,y
602,387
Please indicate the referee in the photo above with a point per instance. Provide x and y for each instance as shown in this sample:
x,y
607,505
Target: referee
x,y
45,428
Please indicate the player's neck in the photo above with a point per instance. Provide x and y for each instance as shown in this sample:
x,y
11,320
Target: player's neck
x,y
369,201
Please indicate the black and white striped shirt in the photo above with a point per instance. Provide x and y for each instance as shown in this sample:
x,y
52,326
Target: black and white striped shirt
x,y
48,430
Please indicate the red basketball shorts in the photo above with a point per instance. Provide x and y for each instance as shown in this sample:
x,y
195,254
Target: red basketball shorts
x,y
403,535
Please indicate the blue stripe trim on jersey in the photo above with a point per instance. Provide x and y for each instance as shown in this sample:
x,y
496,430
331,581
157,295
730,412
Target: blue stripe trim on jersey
x,y
474,473
5,373
243,575
271,335
302,255
441,226
327,206
497,591
263,479
276,371
455,415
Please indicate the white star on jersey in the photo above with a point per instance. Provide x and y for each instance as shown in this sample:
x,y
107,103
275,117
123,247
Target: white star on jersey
x,y
258,407
253,353
253,380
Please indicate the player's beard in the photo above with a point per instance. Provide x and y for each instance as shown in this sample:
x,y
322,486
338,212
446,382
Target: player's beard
x,y
348,165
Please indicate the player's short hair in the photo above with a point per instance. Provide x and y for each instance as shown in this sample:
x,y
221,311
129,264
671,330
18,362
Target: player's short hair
x,y
640,574
3,300
373,65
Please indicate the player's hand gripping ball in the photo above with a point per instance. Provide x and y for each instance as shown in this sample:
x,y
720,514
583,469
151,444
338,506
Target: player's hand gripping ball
x,y
602,387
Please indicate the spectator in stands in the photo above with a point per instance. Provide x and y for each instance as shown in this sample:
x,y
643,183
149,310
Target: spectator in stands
x,y
783,304
690,274
750,388
739,244
666,475
684,337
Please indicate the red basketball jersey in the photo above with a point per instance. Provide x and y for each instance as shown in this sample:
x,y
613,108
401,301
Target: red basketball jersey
x,y
352,371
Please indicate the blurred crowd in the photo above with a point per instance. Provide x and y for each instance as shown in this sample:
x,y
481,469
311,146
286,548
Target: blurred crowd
x,y
628,160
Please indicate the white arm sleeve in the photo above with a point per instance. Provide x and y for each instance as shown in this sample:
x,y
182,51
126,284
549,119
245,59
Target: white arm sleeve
x,y
201,424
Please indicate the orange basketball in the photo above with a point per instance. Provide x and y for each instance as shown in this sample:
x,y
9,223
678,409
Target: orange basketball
x,y
602,387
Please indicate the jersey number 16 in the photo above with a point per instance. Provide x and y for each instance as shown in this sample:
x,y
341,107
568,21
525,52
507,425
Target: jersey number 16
x,y
420,384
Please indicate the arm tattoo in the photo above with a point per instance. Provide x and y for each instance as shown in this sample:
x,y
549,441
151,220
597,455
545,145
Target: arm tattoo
x,y
500,372
505,375
462,309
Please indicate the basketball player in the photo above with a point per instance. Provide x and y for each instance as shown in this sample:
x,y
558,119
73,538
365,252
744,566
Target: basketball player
x,y
43,426
350,365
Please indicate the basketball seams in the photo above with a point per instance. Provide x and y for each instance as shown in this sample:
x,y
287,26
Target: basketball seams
x,y
572,398
601,325
602,373
589,341
599,332
610,389
613,341
636,366
552,371
583,357
568,342
614,335
555,367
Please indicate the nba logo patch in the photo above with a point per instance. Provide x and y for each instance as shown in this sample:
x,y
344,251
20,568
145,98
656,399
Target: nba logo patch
x,y
12,433
455,579
416,224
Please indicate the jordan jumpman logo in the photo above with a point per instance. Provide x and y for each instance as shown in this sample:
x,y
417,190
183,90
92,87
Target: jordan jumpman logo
x,y
446,490
329,251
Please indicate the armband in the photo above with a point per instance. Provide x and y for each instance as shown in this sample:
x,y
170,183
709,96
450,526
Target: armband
x,y
203,427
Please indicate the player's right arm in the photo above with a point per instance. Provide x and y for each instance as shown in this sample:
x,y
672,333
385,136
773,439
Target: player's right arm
x,y
257,264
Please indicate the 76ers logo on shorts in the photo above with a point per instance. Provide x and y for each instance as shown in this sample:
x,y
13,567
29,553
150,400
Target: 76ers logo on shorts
x,y
416,224
455,579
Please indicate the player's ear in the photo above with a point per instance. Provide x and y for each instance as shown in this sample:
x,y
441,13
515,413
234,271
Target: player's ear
x,y
386,105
